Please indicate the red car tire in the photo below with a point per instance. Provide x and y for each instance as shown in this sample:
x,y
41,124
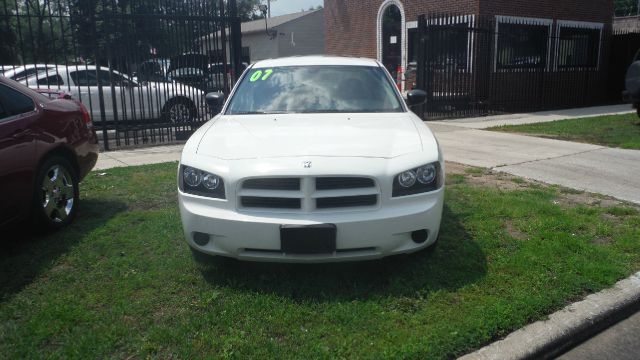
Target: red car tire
x,y
56,194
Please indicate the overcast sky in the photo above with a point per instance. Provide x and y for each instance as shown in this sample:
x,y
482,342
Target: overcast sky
x,y
281,7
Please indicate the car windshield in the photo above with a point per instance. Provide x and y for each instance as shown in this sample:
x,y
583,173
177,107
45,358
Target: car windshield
x,y
315,89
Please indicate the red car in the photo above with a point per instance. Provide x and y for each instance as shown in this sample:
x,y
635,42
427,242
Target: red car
x,y
47,146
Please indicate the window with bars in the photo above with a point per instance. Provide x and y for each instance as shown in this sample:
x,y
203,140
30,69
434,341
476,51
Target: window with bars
x,y
578,47
448,46
522,45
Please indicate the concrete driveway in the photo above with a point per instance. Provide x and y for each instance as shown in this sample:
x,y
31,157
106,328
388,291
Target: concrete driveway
x,y
597,169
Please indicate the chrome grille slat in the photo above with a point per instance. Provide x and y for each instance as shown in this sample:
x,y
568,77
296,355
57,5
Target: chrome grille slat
x,y
343,192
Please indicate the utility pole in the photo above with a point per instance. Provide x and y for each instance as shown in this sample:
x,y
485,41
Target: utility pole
x,y
269,7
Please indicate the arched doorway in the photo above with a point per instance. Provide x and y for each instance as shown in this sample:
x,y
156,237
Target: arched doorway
x,y
390,36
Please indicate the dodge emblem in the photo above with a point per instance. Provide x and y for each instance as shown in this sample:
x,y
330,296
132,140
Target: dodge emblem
x,y
307,164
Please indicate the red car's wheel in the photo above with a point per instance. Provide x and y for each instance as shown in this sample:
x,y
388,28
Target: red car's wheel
x,y
56,193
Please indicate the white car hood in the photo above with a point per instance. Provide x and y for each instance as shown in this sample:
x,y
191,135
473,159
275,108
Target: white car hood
x,y
372,135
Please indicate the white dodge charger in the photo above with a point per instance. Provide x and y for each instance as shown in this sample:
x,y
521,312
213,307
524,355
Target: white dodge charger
x,y
312,159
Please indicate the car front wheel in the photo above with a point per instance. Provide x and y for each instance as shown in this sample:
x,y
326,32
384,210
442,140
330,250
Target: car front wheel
x,y
179,111
56,193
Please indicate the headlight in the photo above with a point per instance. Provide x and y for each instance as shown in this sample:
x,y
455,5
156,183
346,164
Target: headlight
x,y
407,179
426,174
422,179
202,183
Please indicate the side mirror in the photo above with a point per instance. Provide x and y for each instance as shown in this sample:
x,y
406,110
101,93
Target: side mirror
x,y
416,97
215,101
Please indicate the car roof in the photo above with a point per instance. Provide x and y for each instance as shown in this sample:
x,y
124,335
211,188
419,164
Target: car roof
x,y
10,70
23,89
61,69
315,60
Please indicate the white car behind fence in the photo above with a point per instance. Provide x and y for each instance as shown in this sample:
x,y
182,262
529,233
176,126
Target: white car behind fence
x,y
124,99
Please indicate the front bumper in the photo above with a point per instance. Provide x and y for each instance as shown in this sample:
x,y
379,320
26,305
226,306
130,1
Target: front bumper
x,y
361,235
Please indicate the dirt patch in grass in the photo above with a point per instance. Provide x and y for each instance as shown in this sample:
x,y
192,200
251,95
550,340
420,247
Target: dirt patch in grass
x,y
602,240
484,177
566,197
585,198
514,232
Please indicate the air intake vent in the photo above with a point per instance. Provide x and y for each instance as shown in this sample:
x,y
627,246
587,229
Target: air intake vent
x,y
336,183
270,202
346,201
273,184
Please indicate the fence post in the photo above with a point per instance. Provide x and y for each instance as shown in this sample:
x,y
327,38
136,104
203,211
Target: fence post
x,y
223,47
421,69
236,36
103,116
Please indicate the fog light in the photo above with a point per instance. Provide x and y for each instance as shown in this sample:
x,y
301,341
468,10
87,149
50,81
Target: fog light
x,y
201,239
420,236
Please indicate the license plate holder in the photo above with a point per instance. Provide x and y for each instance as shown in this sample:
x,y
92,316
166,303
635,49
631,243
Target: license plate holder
x,y
308,239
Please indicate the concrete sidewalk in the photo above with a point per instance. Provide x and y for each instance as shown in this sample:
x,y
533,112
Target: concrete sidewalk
x,y
143,156
545,116
593,168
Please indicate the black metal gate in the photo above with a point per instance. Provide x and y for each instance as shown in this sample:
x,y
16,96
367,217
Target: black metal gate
x,y
141,67
473,65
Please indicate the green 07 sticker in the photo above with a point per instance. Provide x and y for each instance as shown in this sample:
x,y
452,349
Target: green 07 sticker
x,y
261,75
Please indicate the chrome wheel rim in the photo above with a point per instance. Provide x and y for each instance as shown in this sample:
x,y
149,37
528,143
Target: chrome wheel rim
x,y
57,194
179,113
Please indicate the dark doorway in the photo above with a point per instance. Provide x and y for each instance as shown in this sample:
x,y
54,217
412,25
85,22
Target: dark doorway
x,y
392,39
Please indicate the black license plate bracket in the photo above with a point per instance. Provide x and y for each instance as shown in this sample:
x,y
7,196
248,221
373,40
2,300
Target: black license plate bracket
x,y
308,239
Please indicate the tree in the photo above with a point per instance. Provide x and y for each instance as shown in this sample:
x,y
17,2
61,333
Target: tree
x,y
625,7
116,32
248,10
8,36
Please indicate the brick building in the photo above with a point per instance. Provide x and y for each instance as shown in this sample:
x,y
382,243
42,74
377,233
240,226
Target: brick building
x,y
557,40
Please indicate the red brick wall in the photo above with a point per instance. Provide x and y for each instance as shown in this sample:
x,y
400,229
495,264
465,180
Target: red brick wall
x,y
579,10
350,25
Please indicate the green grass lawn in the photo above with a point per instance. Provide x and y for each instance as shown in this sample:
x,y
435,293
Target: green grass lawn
x,y
120,282
614,131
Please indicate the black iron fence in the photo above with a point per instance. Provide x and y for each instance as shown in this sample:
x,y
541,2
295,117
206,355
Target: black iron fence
x,y
141,67
477,65
624,46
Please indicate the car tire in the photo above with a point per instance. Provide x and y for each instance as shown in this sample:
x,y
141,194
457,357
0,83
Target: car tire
x,y
56,194
179,111
632,80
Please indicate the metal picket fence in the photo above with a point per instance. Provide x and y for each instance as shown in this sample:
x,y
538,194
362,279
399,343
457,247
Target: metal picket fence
x,y
479,65
141,67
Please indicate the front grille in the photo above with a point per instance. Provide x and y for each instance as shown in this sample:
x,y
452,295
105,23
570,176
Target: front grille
x,y
273,184
336,183
346,201
270,202
308,194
